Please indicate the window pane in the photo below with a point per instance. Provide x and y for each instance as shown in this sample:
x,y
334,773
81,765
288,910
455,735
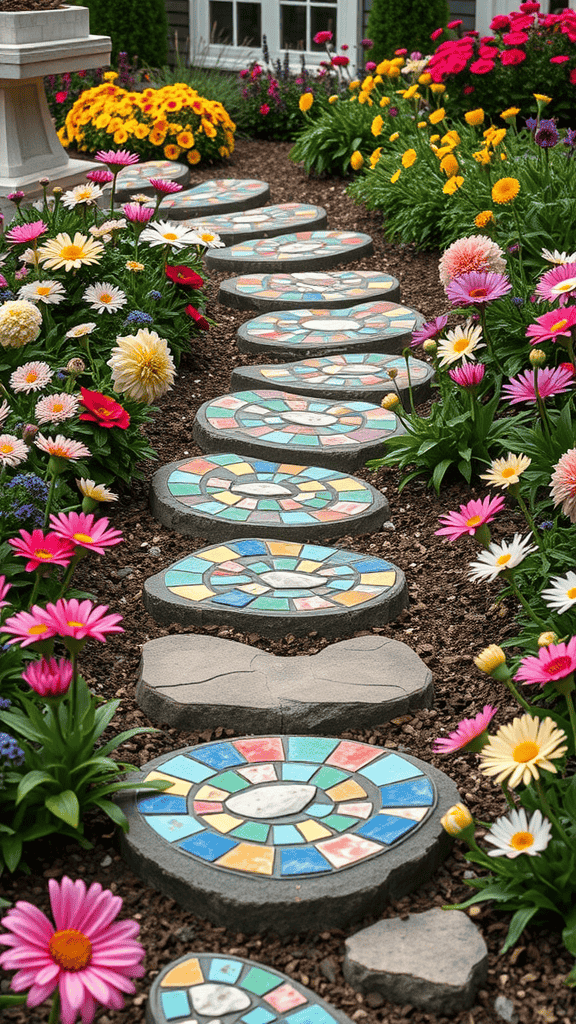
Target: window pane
x,y
292,27
248,25
221,30
322,19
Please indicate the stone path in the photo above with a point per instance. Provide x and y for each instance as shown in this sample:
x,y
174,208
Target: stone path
x,y
225,496
342,435
277,586
287,833
300,250
293,291
136,178
363,376
264,221
366,327
223,195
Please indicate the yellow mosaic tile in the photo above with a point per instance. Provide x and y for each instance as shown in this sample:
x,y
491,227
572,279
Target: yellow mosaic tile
x,y
217,554
273,373
284,547
179,787
381,579
285,467
211,793
253,588
312,830
240,468
188,973
192,593
350,597
307,565
226,497
347,485
258,860
348,790
310,485
222,822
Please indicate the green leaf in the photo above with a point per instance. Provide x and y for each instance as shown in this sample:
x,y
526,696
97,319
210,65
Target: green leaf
x,y
122,737
30,781
12,1000
64,805
21,725
520,919
113,812
439,471
104,716
12,851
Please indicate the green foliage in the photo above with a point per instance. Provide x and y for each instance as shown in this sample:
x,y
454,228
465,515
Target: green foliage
x,y
325,146
393,24
137,27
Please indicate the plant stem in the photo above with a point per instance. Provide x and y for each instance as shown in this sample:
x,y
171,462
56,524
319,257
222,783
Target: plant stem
x,y
529,519
520,597
516,694
572,713
482,309
549,813
49,500
55,1008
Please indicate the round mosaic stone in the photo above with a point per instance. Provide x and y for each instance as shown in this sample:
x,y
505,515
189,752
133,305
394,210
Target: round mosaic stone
x,y
264,221
278,586
300,250
224,496
285,833
359,375
298,333
235,991
222,195
332,290
136,178
341,435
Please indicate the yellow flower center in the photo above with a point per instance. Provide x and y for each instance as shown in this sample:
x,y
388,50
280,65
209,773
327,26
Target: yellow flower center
x,y
6,448
57,406
473,521
37,630
45,290
558,326
70,949
42,553
76,625
71,252
565,286
105,297
521,840
31,376
525,751
461,344
170,236
571,593
478,293
83,538
503,559
83,193
509,471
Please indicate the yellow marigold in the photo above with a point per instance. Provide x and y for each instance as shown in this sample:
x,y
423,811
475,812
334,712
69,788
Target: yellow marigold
x,y
510,113
443,151
394,136
120,136
396,175
332,99
224,153
305,102
482,156
141,131
113,125
378,80
425,78
384,102
452,185
397,62
157,138
437,115
484,218
185,140
356,160
376,126
193,156
409,157
109,76
364,97
451,138
422,124
383,67
434,138
498,137
102,121
449,165
393,71
172,152
541,98
368,83
375,156
411,92
437,88
505,190
474,117
355,84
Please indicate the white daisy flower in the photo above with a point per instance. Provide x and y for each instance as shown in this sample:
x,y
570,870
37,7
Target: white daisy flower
x,y
461,343
50,292
140,197
31,377
514,834
89,193
103,296
557,258
30,256
5,411
206,236
80,330
562,595
498,557
162,232
98,492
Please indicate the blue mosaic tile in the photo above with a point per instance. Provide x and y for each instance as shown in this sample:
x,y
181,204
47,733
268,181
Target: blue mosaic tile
x,y
390,769
164,804
385,829
310,748
415,793
225,970
185,768
174,1004
208,845
306,861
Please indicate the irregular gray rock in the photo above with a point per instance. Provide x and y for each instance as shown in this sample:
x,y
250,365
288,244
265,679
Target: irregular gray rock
x,y
504,1007
435,961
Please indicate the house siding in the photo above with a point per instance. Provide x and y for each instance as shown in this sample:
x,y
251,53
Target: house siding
x,y
178,13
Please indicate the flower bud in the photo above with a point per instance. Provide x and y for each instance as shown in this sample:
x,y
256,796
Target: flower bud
x,y
545,639
44,182
29,433
537,357
390,401
393,373
57,190
75,366
456,820
430,347
490,658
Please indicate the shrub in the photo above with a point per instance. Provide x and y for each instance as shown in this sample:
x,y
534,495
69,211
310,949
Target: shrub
x,y
394,23
137,27
271,98
62,91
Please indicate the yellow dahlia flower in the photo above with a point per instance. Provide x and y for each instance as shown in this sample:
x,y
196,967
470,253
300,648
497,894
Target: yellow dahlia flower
x,y
20,323
142,366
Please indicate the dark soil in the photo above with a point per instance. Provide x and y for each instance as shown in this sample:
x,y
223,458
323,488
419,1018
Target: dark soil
x,y
448,622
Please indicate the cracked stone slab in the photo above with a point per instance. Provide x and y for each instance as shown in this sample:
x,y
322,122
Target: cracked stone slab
x,y
186,681
225,496
275,586
436,961
234,990
329,290
370,832
264,221
221,195
363,376
136,178
287,427
298,250
297,333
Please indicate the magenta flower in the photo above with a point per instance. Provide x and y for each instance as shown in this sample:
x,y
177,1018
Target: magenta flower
x,y
322,37
431,329
469,375
42,549
552,325
563,484
28,627
87,954
83,530
164,186
549,381
470,518
49,677
467,731
4,588
559,283
477,287
556,661
116,159
138,214
26,232
100,176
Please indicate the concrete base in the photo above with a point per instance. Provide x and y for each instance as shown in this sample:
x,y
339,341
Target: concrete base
x,y
65,175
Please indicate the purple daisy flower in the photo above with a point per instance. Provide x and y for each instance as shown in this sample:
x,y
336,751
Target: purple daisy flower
x,y
431,329
477,287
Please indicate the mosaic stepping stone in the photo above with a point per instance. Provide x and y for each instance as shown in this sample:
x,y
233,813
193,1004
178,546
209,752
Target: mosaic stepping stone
x,y
192,680
300,250
298,333
264,221
283,427
286,833
277,586
137,177
222,195
308,288
355,375
235,991
225,496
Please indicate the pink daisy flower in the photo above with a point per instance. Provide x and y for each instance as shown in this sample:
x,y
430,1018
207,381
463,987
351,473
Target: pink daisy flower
x,y
86,531
559,283
62,447
552,325
100,176
49,677
42,549
563,484
136,213
477,287
31,377
165,187
467,731
28,627
88,955
477,252
25,233
79,619
556,661
116,159
4,588
471,516
550,382
431,329
469,375
13,451
56,408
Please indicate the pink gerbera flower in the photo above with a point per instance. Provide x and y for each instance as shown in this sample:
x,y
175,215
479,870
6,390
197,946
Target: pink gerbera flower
x,y
467,731
477,287
42,549
552,325
469,375
556,661
116,159
87,954
49,677
138,214
80,619
431,329
62,447
477,252
559,283
165,187
86,531
470,518
563,484
28,627
13,451
31,377
4,588
26,233
100,176
56,408
549,381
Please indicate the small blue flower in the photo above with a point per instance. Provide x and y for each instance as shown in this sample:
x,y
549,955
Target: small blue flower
x,y
9,749
531,124
5,703
517,300
6,295
138,317
546,525
154,294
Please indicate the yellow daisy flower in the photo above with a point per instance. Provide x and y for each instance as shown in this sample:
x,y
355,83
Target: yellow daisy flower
x,y
520,749
506,472
70,254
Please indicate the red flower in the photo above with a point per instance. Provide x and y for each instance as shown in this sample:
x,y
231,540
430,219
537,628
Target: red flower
x,y
468,89
488,52
482,67
436,34
264,109
103,410
322,37
61,97
197,318
529,8
500,22
402,52
185,276
558,60
512,57
573,77
340,62
515,38
454,24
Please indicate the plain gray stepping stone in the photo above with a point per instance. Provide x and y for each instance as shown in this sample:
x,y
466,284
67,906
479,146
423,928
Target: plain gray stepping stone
x,y
191,680
295,428
136,178
298,250
327,290
362,376
221,195
225,496
264,221
435,961
371,833
275,587
297,333
182,988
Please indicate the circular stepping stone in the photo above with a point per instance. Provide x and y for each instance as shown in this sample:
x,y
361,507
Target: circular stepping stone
x,y
298,333
368,830
285,427
194,678
356,375
301,250
264,221
234,991
225,496
222,195
276,587
137,177
321,290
